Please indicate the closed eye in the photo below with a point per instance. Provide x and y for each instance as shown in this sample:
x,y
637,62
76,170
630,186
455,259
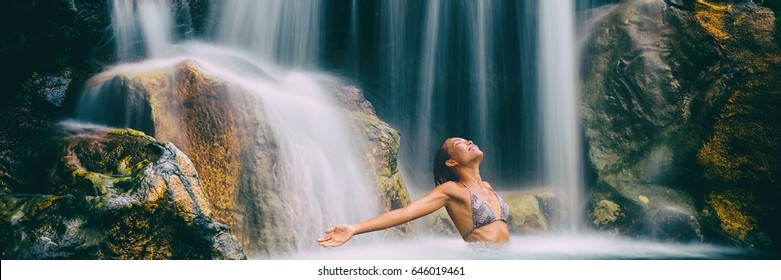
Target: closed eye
x,y
458,142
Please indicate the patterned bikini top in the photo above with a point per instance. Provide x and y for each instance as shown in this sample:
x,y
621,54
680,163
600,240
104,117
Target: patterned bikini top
x,y
482,214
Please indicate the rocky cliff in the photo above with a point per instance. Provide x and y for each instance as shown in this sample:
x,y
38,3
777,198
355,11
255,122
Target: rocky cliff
x,y
680,108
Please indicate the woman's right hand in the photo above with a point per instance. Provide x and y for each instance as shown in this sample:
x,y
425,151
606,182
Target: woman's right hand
x,y
337,235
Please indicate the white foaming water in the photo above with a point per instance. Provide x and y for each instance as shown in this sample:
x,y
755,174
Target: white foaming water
x,y
560,117
322,173
321,177
141,27
535,247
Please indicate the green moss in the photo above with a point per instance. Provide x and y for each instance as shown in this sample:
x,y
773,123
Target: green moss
x,y
16,208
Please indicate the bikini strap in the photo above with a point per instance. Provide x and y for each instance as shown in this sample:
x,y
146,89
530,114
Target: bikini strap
x,y
467,187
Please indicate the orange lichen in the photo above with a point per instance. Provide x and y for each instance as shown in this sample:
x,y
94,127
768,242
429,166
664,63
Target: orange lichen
x,y
719,165
138,234
190,111
711,17
732,209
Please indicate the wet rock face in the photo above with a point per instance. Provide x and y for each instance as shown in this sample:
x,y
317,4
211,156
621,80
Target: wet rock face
x,y
674,224
112,194
533,212
51,47
49,89
234,149
680,108
382,154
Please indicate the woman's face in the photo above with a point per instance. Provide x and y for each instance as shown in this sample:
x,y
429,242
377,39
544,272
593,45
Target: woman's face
x,y
463,151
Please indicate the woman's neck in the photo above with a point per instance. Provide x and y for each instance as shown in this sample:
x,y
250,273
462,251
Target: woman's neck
x,y
470,175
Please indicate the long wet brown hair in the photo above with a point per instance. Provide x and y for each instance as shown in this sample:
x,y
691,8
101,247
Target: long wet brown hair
x,y
442,173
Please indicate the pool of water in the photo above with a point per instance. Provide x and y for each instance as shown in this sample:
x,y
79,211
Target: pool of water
x,y
537,247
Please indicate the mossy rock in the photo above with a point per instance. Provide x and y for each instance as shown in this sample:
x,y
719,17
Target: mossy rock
x,y
112,194
680,109
738,160
383,158
533,212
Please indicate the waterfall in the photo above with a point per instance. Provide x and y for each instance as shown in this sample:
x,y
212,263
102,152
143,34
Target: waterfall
x,y
142,28
502,73
481,45
430,56
450,68
319,177
444,68
285,32
559,96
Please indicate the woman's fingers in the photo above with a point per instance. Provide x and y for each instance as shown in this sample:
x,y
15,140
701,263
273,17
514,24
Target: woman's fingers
x,y
325,241
332,243
329,241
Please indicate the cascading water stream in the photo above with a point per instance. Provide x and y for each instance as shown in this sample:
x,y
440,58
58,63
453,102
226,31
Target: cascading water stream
x,y
428,75
481,43
151,39
320,177
560,119
285,32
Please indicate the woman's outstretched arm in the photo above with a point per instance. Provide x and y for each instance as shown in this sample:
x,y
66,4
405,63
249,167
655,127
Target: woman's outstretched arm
x,y
338,235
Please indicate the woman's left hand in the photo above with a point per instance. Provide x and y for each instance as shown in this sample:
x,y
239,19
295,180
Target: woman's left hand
x,y
337,236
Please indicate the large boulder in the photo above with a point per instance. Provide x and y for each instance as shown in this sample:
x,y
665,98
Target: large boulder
x,y
382,154
680,116
233,146
533,212
111,194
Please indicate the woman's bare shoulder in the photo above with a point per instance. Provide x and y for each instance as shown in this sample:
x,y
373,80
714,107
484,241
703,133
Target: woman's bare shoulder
x,y
487,185
447,187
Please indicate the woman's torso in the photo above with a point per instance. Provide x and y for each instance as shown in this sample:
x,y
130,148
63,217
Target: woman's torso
x,y
487,223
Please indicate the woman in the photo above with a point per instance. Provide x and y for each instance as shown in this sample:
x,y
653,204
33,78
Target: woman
x,y
478,213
